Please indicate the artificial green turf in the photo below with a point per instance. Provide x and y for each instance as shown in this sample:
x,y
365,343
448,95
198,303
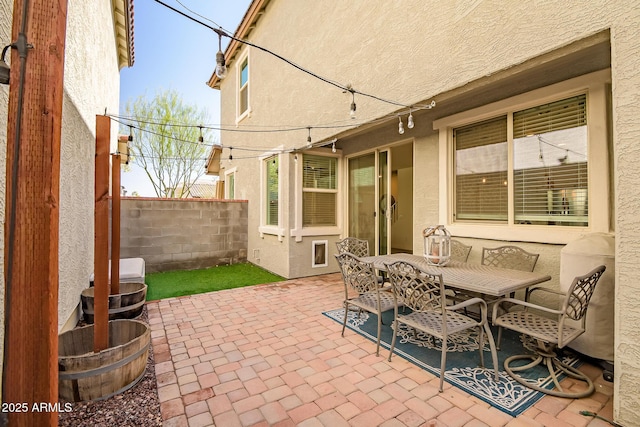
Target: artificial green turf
x,y
188,282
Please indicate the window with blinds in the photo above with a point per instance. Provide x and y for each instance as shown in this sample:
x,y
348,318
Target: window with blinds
x,y
481,162
550,164
319,192
550,174
271,168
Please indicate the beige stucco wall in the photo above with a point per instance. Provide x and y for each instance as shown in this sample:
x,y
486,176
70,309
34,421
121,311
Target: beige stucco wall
x,y
412,51
625,62
91,84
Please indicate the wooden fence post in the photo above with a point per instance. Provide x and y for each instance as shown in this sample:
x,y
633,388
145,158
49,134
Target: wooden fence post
x,y
30,368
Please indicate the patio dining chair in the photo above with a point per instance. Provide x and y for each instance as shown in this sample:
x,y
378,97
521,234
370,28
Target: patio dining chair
x,y
353,245
358,247
424,294
459,251
360,278
509,256
548,330
512,257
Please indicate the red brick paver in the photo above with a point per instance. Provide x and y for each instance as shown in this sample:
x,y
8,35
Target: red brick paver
x,y
266,356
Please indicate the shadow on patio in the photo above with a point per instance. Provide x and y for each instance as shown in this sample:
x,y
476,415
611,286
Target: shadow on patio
x,y
265,355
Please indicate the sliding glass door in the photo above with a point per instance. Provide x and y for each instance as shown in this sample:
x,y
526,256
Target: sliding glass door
x,y
369,204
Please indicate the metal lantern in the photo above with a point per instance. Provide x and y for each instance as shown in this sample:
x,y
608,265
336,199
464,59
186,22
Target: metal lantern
x,y
437,245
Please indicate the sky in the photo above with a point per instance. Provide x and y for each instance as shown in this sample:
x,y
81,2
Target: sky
x,y
173,52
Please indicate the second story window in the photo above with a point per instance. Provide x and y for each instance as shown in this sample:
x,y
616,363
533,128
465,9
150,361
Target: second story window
x,y
243,88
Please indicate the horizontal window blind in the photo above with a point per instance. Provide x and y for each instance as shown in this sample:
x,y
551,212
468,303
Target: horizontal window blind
x,y
319,209
481,171
485,133
319,172
565,114
551,173
319,179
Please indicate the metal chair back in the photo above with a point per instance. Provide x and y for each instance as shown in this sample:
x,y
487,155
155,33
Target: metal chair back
x,y
459,251
580,293
353,245
357,275
417,289
512,257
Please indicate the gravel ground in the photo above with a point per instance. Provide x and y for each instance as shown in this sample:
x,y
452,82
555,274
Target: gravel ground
x,y
137,407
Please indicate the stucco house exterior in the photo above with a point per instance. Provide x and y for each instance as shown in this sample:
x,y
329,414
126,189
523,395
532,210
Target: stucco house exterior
x,y
99,43
531,140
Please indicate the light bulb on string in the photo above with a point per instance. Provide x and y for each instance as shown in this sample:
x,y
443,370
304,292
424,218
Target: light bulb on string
x,y
309,144
230,153
352,111
410,123
333,146
200,138
130,133
400,126
221,67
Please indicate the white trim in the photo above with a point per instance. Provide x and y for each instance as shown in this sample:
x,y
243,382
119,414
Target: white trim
x,y
227,173
299,231
264,229
595,86
314,246
247,113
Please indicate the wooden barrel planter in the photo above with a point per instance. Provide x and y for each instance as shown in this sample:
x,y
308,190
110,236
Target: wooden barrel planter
x,y
84,375
127,304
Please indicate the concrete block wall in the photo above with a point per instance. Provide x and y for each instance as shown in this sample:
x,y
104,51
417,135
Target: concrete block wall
x,y
183,234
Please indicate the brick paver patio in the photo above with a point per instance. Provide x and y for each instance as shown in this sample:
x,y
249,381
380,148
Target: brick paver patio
x,y
266,356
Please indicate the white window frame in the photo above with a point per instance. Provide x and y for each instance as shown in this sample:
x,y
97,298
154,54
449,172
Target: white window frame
x,y
299,231
595,86
264,229
241,115
227,174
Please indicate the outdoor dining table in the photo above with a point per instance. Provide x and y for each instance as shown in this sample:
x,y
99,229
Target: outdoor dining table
x,y
478,278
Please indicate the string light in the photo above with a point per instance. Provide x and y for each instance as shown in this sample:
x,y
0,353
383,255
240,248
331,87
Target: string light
x,y
352,111
410,123
400,126
220,60
230,153
309,144
333,146
200,138
130,134
221,67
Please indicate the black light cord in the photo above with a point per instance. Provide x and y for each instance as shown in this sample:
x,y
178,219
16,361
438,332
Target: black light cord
x,y
342,87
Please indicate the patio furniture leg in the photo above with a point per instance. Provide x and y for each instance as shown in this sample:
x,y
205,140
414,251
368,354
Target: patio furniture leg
x,y
346,311
443,363
494,352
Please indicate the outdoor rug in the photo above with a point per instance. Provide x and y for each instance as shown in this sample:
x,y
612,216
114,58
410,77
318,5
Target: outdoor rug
x,y
463,360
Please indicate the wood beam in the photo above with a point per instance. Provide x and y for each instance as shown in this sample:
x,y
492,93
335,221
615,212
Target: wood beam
x,y
115,224
30,368
101,243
